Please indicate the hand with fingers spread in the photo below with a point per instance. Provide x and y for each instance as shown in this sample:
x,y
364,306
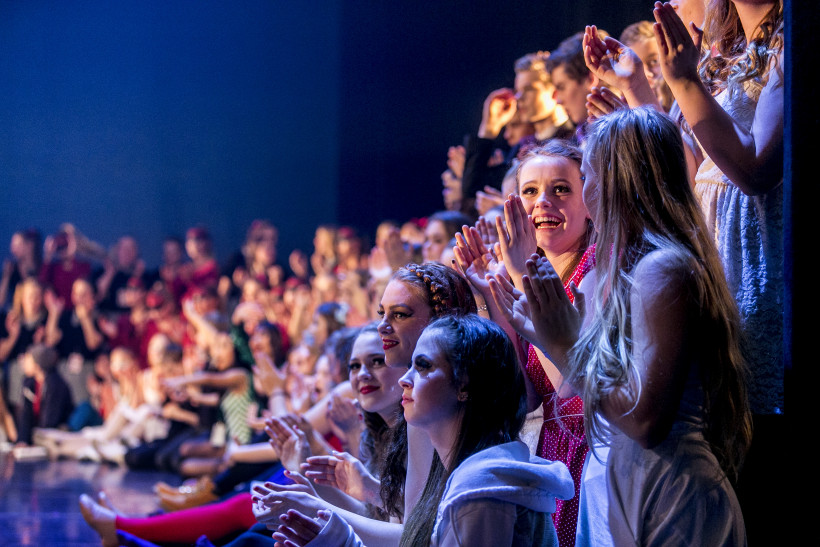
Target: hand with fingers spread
x,y
516,237
298,529
556,321
298,422
290,442
269,377
271,500
487,233
602,101
345,417
678,53
619,66
475,261
345,473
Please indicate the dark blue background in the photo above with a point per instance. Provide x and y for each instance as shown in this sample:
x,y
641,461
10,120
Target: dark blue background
x,y
148,117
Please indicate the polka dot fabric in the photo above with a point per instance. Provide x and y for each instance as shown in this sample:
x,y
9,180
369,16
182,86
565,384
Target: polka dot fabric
x,y
562,434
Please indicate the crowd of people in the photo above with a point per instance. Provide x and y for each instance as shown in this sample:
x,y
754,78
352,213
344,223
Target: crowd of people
x,y
606,269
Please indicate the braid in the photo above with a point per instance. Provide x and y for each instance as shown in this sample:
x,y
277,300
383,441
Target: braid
x,y
445,290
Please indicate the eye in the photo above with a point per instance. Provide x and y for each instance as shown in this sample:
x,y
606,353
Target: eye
x,y
380,313
528,191
354,366
378,362
422,364
562,189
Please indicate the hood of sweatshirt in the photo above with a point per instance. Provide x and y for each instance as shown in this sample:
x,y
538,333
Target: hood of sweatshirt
x,y
509,473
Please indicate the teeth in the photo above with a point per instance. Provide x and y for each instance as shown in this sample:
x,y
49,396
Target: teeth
x,y
546,220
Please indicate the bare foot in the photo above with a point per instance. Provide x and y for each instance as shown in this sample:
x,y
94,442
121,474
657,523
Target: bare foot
x,y
105,501
102,519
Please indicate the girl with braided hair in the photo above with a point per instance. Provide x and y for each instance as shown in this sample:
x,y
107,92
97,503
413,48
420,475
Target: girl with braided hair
x,y
415,295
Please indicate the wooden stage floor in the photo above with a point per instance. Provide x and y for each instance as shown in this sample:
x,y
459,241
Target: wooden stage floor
x,y
38,499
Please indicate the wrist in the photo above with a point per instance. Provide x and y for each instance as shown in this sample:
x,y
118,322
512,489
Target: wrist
x,y
488,131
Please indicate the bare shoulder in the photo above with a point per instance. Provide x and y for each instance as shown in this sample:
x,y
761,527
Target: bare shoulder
x,y
662,274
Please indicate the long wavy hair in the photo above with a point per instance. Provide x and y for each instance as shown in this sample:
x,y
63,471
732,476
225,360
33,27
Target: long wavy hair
x,y
485,366
727,61
447,293
645,203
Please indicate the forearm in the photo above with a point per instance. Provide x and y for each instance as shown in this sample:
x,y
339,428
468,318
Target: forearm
x,y
6,346
93,338
254,453
562,388
374,533
754,167
53,334
340,499
640,93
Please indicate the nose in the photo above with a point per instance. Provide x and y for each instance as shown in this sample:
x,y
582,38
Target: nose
x,y
384,326
543,200
364,372
405,381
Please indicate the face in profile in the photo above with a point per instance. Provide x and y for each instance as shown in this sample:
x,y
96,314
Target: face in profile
x,y
404,315
571,94
430,396
533,96
551,190
376,384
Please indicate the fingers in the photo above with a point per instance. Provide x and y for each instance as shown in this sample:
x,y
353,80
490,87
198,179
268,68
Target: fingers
x,y
474,240
461,258
298,478
502,299
579,300
297,529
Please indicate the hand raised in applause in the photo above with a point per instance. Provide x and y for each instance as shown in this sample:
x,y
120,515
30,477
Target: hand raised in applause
x,y
289,441
556,320
345,473
298,529
516,237
678,52
602,101
269,500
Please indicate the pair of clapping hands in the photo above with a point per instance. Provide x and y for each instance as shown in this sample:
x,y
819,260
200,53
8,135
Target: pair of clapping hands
x,y
497,262
285,508
619,66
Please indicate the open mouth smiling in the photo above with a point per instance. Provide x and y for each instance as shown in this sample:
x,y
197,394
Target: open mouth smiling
x,y
546,222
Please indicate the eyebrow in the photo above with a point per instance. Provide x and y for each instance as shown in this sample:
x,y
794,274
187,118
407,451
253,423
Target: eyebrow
x,y
560,179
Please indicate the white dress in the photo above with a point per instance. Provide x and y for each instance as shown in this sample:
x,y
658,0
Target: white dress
x,y
672,494
748,231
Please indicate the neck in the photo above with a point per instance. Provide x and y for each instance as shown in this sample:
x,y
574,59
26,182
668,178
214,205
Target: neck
x,y
547,126
751,14
443,437
560,261
544,126
390,418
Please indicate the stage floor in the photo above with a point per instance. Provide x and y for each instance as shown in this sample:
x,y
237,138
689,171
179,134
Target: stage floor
x,y
38,499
